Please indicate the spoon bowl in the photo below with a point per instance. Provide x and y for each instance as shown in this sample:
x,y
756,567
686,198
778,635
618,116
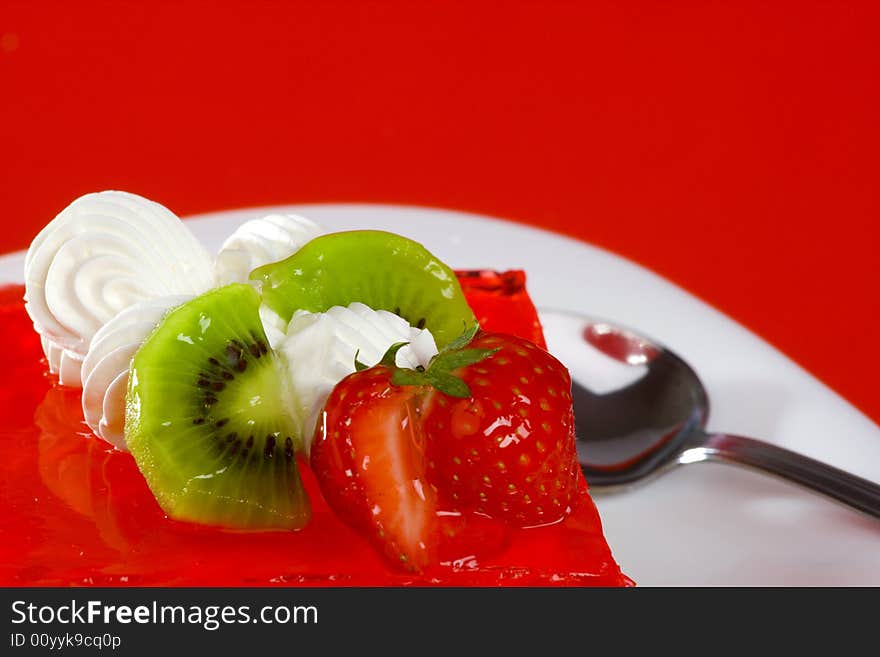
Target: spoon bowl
x,y
641,410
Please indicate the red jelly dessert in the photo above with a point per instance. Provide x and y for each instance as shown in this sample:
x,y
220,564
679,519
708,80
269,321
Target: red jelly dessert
x,y
501,303
79,512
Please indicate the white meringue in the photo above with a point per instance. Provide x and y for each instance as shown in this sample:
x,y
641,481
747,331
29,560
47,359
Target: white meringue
x,y
106,365
101,254
65,364
320,348
260,241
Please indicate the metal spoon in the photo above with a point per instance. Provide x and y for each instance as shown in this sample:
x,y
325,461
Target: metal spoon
x,y
640,410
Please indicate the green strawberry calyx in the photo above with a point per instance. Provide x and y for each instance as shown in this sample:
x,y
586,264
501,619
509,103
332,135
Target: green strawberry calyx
x,y
438,374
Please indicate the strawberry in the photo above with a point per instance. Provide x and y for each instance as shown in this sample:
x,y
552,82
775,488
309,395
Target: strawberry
x,y
368,457
506,450
409,456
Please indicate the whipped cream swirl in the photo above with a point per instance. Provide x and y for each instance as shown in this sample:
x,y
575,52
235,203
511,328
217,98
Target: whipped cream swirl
x,y
320,350
260,241
101,254
65,364
106,365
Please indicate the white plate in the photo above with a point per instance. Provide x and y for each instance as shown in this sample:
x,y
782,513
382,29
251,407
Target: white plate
x,y
702,524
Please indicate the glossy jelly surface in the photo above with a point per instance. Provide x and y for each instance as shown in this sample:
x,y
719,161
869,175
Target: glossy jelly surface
x,y
77,512
501,302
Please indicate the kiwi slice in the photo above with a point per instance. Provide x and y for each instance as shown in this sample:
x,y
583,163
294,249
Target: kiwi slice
x,y
382,270
208,417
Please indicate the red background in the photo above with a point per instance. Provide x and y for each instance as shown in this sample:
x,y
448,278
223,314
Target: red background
x,y
731,147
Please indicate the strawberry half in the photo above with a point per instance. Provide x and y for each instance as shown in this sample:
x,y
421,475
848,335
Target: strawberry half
x,y
426,462
368,457
507,449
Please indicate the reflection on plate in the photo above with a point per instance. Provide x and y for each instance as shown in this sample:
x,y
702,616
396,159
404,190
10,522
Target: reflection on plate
x,y
700,524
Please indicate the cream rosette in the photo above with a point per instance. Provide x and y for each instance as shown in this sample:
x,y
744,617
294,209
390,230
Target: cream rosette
x,y
103,253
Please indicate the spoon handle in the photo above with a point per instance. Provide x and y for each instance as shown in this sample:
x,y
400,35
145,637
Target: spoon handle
x,y
844,487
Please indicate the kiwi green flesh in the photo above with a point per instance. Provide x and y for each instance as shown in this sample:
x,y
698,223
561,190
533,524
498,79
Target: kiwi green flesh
x,y
208,420
382,270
